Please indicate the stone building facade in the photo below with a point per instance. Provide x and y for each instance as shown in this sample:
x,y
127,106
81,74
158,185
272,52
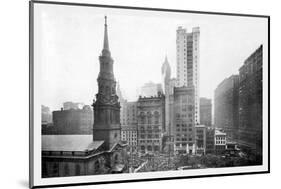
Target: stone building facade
x,y
206,111
226,106
220,142
200,139
76,155
250,100
184,115
150,123
129,132
72,121
210,140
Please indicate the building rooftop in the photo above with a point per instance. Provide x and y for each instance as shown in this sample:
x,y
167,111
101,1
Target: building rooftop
x,y
218,132
78,143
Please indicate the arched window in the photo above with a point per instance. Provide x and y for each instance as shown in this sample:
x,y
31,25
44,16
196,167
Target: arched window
x,y
77,169
149,148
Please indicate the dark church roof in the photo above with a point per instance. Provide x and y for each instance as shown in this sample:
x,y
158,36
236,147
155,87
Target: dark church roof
x,y
73,143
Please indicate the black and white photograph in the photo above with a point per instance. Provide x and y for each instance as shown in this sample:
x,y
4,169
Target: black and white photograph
x,y
124,94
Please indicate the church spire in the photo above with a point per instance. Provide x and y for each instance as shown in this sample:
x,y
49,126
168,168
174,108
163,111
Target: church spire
x,y
105,51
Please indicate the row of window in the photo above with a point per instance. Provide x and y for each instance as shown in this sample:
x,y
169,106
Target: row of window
x,y
149,136
149,141
184,139
149,127
220,142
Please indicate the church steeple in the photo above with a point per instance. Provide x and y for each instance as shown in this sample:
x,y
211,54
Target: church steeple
x,y
105,50
107,125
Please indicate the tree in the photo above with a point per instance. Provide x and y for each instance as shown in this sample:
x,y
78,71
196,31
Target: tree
x,y
182,160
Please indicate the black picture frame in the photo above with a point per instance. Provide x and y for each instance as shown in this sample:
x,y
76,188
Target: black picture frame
x,y
31,89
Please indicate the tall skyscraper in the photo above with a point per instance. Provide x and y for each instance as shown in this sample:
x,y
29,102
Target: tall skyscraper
x,y
250,100
107,125
166,81
226,105
168,84
188,63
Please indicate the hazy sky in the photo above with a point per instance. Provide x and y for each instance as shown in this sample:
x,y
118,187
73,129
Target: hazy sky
x,y
69,39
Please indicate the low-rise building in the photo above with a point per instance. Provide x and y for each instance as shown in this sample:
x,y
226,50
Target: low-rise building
x,y
74,155
128,118
129,134
73,121
220,142
200,134
210,140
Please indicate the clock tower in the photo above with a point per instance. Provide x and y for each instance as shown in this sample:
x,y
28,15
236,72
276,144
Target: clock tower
x,y
107,125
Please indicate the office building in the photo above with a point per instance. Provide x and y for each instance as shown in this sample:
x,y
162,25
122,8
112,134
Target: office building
x,y
206,111
200,137
73,121
188,58
250,101
226,106
150,123
184,116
